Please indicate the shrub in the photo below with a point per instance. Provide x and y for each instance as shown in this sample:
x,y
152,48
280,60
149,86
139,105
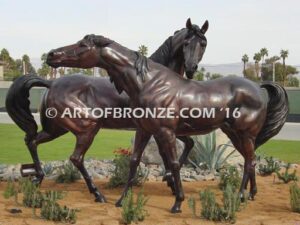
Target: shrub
x,y
133,212
271,167
205,152
230,175
48,169
286,177
32,196
11,190
51,210
295,197
121,171
68,174
211,210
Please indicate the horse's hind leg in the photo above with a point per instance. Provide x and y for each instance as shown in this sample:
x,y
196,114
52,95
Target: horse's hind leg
x,y
245,145
41,137
83,142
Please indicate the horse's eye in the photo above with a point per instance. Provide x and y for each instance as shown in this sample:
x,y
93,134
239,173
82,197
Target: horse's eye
x,y
203,43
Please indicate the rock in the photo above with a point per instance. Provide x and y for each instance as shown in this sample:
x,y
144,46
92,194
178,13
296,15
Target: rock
x,y
198,177
187,179
15,210
151,154
209,176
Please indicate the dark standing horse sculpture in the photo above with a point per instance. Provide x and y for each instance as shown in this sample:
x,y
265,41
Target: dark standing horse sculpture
x,y
181,53
149,84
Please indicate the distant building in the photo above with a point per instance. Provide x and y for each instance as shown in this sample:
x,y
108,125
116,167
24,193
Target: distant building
x,y
1,70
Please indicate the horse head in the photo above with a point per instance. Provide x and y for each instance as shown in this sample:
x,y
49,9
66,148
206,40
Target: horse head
x,y
194,47
83,54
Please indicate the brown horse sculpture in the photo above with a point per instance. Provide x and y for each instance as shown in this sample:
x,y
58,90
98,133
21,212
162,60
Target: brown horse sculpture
x,y
242,110
180,52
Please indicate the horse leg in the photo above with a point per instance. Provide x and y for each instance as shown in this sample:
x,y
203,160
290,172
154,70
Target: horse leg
x,y
83,142
41,137
167,141
188,145
247,145
141,140
168,174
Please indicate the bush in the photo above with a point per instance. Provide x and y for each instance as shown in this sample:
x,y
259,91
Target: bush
x,y
271,167
133,212
51,210
121,171
11,190
68,174
295,197
206,153
230,175
286,177
211,210
32,196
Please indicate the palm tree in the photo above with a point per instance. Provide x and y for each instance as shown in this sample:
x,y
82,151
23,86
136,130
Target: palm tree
x,y
245,59
284,54
257,58
263,52
143,49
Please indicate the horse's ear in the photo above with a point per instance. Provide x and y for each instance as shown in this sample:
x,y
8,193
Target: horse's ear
x,y
189,24
204,27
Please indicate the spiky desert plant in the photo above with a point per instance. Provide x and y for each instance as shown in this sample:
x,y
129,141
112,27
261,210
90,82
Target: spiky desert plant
x,y
134,211
68,174
271,167
287,177
206,152
230,175
295,197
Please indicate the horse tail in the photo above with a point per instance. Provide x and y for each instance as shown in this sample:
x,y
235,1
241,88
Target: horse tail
x,y
17,103
277,111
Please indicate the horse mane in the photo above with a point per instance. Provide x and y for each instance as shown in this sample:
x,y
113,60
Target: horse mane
x,y
162,54
141,65
98,40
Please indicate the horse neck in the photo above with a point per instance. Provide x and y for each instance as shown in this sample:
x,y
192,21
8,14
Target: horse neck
x,y
170,53
121,67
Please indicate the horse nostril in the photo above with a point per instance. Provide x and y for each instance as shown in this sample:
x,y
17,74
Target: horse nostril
x,y
195,67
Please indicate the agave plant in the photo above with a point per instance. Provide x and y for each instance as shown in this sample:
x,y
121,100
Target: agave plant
x,y
207,153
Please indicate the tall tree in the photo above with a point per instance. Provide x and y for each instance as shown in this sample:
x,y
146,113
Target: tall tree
x,y
263,52
284,54
45,69
143,49
245,59
27,67
257,58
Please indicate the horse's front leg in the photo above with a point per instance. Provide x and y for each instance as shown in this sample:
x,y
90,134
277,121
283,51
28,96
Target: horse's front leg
x,y
140,142
167,141
188,146
83,142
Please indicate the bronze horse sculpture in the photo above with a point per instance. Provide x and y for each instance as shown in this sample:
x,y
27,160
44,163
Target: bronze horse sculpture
x,y
178,53
151,85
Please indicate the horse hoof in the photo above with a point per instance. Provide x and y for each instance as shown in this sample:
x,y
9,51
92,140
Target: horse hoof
x,y
118,204
101,199
176,210
251,197
242,197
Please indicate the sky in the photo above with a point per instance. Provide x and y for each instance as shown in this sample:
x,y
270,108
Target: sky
x,y
236,27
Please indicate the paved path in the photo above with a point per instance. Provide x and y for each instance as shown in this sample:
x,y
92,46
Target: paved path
x,y
290,131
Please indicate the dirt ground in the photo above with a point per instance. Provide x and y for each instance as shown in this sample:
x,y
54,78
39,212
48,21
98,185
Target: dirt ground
x,y
271,205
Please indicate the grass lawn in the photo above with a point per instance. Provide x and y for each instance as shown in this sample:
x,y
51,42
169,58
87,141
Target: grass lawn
x,y
288,151
13,149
